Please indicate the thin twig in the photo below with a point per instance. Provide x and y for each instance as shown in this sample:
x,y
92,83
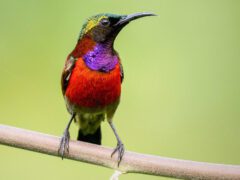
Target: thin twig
x,y
116,175
132,162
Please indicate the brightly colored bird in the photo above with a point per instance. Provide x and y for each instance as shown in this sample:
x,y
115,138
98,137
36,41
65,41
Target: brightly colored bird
x,y
92,77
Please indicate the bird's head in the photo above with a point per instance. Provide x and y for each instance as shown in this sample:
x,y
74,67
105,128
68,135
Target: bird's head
x,y
104,27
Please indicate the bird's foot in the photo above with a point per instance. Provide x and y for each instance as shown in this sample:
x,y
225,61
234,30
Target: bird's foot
x,y
120,150
64,144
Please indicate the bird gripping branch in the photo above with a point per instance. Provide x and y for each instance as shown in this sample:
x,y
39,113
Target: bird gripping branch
x,y
92,77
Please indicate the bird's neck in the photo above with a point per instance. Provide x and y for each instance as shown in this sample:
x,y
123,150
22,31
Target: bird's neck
x,y
97,56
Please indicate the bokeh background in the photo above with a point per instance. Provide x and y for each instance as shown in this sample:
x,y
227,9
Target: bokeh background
x,y
180,97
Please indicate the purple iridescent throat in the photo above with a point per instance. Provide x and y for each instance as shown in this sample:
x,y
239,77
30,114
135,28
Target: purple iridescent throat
x,y
101,58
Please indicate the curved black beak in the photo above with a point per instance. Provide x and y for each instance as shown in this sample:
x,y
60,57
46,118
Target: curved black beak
x,y
126,19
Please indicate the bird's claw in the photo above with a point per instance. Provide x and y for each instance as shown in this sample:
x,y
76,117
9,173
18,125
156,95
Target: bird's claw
x,y
64,144
120,150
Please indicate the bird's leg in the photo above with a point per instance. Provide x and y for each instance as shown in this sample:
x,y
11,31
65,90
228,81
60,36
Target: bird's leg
x,y
120,147
64,143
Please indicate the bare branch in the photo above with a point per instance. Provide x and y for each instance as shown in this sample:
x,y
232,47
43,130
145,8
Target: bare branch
x,y
132,162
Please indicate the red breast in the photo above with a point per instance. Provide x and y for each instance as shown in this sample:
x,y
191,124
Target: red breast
x,y
88,88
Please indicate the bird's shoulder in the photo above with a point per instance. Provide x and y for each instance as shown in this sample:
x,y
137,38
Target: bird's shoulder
x,y
120,66
67,71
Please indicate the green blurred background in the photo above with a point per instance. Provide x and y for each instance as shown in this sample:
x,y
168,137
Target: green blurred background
x,y
180,97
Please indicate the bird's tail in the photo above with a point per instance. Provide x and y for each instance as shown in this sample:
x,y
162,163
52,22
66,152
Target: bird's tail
x,y
94,138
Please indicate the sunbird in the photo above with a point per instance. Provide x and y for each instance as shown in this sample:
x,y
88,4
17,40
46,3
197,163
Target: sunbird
x,y
91,79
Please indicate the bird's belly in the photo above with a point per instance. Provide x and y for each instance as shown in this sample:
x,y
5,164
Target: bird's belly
x,y
93,89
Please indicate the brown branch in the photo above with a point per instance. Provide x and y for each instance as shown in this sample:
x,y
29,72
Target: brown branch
x,y
132,162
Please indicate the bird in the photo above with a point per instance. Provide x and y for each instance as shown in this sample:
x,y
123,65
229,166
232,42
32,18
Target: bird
x,y
92,77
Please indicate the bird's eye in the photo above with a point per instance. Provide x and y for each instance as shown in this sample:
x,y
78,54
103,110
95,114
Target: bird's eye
x,y
105,22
